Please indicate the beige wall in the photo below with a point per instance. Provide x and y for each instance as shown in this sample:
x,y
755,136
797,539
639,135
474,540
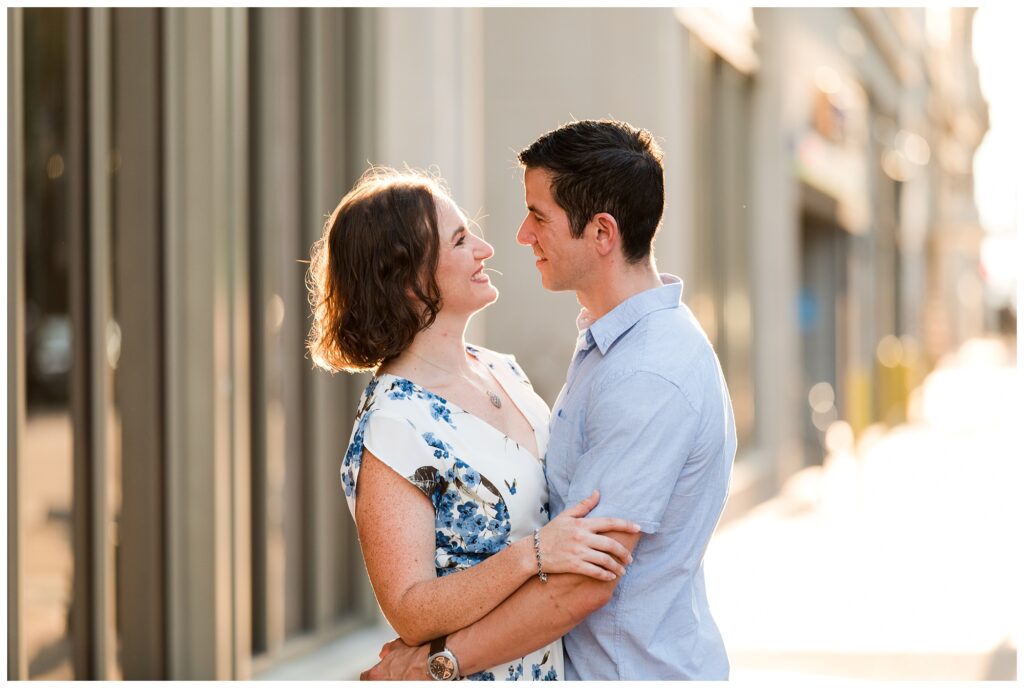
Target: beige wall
x,y
543,68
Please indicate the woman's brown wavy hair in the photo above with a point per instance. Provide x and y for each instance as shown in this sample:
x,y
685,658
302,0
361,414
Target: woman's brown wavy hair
x,y
371,276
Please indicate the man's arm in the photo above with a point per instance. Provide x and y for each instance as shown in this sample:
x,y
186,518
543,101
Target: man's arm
x,y
535,615
532,617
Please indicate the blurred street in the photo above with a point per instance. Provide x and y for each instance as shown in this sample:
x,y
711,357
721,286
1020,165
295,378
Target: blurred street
x,y
896,560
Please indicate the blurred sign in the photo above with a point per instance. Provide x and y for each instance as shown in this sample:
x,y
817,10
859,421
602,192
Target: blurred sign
x,y
831,155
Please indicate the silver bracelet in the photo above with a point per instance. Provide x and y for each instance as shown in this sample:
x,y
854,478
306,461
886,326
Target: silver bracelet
x,y
536,550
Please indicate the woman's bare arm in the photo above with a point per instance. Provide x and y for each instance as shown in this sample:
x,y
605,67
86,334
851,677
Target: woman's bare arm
x,y
532,617
395,522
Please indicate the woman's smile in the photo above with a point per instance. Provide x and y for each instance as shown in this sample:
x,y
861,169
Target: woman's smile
x,y
480,276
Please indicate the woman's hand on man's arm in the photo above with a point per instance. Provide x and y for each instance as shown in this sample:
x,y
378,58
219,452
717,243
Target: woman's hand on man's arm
x,y
537,614
397,535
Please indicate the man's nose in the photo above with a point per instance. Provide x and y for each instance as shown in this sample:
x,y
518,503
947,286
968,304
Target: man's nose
x,y
524,236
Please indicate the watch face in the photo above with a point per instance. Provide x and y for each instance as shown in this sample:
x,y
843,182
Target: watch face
x,y
442,668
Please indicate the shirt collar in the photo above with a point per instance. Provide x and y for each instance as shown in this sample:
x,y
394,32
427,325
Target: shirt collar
x,y
617,321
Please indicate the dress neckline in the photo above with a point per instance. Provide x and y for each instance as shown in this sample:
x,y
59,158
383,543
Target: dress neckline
x,y
458,408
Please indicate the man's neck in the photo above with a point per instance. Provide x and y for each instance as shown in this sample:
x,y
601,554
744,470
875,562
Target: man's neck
x,y
611,287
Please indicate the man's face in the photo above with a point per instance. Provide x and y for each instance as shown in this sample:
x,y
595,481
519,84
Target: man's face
x,y
562,260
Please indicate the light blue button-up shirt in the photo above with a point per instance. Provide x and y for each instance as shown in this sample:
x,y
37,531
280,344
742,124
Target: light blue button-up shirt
x,y
645,418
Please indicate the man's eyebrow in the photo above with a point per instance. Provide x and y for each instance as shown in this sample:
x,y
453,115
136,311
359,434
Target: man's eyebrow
x,y
533,210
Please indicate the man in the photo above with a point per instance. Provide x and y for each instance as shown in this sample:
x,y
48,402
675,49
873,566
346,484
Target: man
x,y
644,417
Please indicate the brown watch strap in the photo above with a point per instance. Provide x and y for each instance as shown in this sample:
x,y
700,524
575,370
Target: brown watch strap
x,y
437,644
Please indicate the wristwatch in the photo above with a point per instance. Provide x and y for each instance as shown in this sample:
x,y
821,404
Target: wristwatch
x,y
441,663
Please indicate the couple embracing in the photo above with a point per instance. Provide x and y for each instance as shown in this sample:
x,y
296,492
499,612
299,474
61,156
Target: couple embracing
x,y
505,540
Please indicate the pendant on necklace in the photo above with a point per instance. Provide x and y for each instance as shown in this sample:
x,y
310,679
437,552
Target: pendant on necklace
x,y
495,399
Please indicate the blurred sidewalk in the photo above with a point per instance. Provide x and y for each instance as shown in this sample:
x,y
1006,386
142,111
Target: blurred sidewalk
x,y
897,559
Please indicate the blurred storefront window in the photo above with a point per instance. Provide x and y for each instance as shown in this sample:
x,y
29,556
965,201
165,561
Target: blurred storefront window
x,y
46,508
67,514
721,282
163,325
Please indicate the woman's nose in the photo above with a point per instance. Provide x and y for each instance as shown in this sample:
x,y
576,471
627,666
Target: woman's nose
x,y
484,250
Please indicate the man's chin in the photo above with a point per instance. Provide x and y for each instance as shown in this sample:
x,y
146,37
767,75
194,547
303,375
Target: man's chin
x,y
553,286
549,282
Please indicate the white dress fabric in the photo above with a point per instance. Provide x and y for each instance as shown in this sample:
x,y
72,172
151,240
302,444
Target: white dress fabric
x,y
487,490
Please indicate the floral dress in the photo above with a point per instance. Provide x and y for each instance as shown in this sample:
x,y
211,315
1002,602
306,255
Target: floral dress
x,y
486,489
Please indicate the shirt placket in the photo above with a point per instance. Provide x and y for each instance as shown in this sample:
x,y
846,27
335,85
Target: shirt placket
x,y
584,343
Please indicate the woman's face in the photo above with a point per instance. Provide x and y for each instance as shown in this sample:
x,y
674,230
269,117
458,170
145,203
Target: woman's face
x,y
465,287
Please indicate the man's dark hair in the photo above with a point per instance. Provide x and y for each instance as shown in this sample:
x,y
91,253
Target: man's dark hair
x,y
604,166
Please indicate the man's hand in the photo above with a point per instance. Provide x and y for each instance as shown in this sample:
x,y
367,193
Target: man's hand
x,y
399,662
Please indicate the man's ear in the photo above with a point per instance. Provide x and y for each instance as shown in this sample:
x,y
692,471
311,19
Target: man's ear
x,y
605,232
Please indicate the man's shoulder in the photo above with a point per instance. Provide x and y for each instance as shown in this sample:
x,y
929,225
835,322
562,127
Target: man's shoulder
x,y
669,344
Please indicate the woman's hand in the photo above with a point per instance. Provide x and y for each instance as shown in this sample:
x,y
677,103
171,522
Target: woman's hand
x,y
573,544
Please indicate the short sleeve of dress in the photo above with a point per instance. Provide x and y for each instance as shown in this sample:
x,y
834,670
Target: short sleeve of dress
x,y
419,457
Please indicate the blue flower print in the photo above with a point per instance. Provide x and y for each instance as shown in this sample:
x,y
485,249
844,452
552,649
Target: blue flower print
x,y
470,524
465,473
401,389
444,518
442,450
537,668
354,456
512,487
440,411
354,453
481,676
500,520
348,481
515,673
468,529
467,509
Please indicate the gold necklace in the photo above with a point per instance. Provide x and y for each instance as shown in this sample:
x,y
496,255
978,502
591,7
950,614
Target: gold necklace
x,y
494,398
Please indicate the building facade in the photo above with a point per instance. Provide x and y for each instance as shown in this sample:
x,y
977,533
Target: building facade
x,y
173,503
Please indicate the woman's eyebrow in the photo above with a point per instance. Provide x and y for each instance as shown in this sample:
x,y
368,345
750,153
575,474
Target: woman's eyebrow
x,y
460,228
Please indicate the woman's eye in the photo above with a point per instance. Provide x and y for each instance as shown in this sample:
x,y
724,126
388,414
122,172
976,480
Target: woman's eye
x,y
461,241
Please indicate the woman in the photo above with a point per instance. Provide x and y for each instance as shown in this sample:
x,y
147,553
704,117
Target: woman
x,y
443,473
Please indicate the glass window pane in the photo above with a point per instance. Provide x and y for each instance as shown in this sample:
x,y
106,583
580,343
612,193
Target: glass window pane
x,y
47,460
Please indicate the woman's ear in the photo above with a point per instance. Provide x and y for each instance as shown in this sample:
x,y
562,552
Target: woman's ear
x,y
605,233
